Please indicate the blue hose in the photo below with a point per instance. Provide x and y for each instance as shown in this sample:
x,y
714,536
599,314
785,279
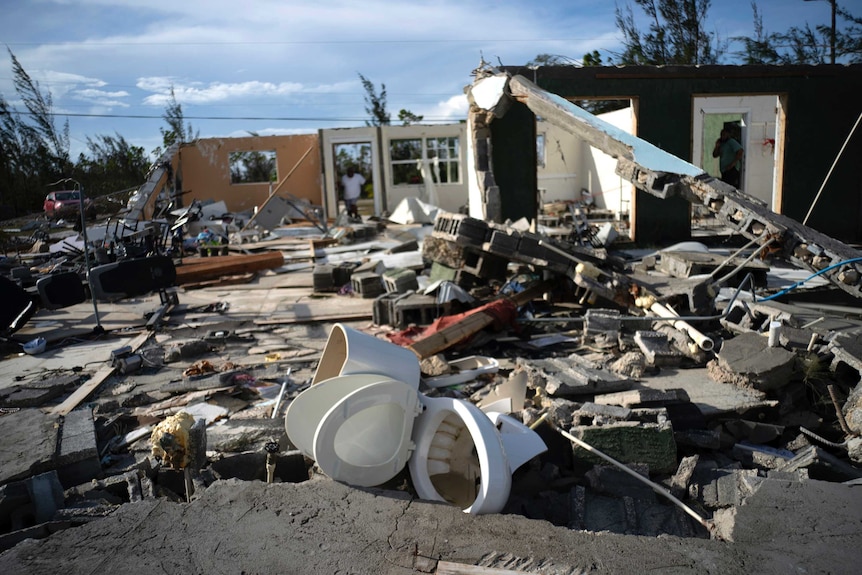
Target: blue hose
x,y
814,275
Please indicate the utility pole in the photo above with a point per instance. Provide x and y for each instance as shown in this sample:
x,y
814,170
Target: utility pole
x,y
832,37
832,31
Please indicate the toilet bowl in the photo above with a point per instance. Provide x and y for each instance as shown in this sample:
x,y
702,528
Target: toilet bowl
x,y
362,423
459,457
349,351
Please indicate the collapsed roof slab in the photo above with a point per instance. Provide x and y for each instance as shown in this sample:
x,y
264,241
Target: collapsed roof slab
x,y
664,175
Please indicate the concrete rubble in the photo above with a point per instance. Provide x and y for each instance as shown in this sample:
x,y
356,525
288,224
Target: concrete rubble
x,y
727,428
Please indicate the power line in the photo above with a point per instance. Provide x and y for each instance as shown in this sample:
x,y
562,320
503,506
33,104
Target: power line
x,y
227,118
300,42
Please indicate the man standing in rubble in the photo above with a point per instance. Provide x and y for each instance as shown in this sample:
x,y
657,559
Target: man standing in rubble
x,y
352,183
729,152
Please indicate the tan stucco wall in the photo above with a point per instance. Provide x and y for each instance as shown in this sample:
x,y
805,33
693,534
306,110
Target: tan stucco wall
x,y
205,169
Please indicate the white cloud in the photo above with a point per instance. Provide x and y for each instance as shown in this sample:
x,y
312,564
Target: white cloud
x,y
454,109
198,93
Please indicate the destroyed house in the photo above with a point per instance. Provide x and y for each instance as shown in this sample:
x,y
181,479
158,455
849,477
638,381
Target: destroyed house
x,y
795,123
243,172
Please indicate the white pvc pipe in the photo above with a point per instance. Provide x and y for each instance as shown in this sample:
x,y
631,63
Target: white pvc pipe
x,y
703,342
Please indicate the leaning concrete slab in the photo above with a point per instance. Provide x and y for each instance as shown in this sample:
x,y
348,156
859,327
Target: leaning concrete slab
x,y
77,455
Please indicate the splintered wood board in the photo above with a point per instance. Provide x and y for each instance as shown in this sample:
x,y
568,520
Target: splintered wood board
x,y
91,384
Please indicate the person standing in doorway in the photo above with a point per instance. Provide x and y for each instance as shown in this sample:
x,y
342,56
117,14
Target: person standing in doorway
x,y
729,153
351,184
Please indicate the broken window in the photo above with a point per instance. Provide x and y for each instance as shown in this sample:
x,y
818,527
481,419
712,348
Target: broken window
x,y
251,167
540,150
441,155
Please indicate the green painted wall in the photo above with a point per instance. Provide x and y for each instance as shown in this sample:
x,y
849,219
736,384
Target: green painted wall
x,y
823,104
513,155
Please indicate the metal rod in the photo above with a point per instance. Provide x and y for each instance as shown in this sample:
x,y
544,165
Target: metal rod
x,y
826,179
281,393
655,487
753,255
733,255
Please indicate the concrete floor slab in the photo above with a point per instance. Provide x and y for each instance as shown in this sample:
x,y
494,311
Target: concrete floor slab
x,y
322,526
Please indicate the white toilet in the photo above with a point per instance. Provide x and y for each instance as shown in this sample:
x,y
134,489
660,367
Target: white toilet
x,y
363,428
459,457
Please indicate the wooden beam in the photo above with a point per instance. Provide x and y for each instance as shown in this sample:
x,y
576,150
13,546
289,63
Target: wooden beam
x,y
470,325
315,318
91,384
211,268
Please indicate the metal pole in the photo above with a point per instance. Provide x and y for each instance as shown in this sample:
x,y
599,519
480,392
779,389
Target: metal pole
x,y
826,179
98,328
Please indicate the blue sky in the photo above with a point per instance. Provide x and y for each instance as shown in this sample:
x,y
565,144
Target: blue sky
x,y
290,66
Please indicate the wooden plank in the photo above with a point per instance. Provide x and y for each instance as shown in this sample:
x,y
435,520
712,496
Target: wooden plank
x,y
448,568
472,324
315,318
91,384
216,267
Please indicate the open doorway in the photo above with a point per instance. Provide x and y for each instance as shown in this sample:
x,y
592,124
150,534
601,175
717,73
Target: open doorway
x,y
713,125
356,155
757,124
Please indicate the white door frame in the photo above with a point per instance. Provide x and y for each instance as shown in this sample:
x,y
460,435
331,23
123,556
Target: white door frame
x,y
331,138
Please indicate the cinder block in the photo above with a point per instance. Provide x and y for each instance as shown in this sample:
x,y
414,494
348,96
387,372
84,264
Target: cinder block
x,y
367,284
504,243
400,280
415,309
716,488
380,314
630,442
322,278
484,265
461,229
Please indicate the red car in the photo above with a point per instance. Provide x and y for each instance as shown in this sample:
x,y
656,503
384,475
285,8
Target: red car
x,y
65,204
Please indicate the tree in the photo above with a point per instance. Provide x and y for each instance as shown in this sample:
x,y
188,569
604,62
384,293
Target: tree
x,y
551,60
33,151
113,165
590,59
676,35
802,44
178,130
406,117
848,43
375,103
